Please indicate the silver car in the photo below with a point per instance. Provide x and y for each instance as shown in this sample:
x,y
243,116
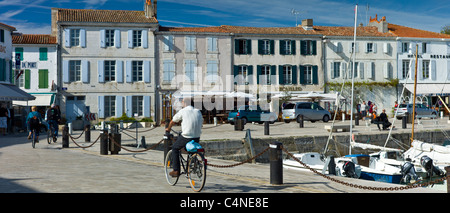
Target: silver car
x,y
421,110
310,111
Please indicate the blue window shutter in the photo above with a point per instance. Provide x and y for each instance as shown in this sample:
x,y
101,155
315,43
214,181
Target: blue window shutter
x,y
83,38
130,38
129,75
85,71
102,39
147,73
146,106
129,106
101,71
66,71
145,39
117,38
101,106
119,71
119,106
67,37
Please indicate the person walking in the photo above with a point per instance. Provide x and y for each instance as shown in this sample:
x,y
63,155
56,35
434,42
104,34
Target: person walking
x,y
191,128
3,119
363,110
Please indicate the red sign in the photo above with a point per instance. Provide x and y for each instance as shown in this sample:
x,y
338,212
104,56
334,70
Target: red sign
x,y
90,117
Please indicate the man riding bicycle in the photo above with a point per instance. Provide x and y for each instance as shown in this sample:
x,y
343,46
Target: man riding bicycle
x,y
191,127
52,116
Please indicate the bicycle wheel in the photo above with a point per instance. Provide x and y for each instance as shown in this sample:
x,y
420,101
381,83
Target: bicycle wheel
x,y
168,167
49,136
33,141
197,172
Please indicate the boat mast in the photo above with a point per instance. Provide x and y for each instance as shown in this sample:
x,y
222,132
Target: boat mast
x,y
414,99
353,79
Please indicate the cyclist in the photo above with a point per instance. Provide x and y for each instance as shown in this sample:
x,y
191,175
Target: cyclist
x,y
191,129
33,122
52,116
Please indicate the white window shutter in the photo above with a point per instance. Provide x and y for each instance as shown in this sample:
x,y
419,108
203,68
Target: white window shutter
x,y
130,38
129,103
117,38
119,106
332,70
147,71
374,47
145,39
386,48
433,70
67,37
85,71
146,106
119,71
101,71
128,71
386,70
101,106
66,77
102,39
361,70
83,38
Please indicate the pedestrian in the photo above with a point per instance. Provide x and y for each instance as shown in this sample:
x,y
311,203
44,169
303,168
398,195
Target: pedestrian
x,y
384,120
363,110
370,109
3,119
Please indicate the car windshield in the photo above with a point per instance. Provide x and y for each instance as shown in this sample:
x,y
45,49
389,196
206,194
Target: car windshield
x,y
289,106
402,106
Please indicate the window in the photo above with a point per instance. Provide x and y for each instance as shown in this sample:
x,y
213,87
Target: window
x,y
265,47
243,74
137,70
425,69
308,47
243,47
369,47
137,38
137,102
110,70
2,35
287,47
168,70
74,71
212,44
336,69
43,54
110,106
355,73
190,44
424,48
287,74
265,74
405,47
75,37
308,74
109,38
20,82
212,71
168,43
189,70
405,68
43,79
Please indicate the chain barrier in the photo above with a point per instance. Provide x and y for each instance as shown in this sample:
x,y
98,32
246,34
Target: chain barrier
x,y
238,164
409,186
79,136
129,150
148,130
84,147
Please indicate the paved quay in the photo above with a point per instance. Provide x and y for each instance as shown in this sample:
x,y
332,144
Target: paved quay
x,y
49,168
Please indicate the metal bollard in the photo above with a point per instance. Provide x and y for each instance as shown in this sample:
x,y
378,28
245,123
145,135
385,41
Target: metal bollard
x,y
87,133
356,120
276,163
447,169
114,148
142,143
404,121
104,142
65,137
301,121
266,127
331,165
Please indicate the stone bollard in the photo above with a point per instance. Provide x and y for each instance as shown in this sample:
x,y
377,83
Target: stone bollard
x,y
65,137
104,142
87,133
266,128
114,148
404,122
276,163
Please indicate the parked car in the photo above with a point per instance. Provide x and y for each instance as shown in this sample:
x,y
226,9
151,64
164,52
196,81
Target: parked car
x,y
310,111
421,110
251,113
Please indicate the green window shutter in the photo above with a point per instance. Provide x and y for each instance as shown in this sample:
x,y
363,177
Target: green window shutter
x,y
314,47
315,76
303,47
260,46
236,47
294,74
2,70
249,47
43,79
27,79
280,75
293,48
236,70
258,73
272,47
20,50
282,46
250,74
273,73
302,74
43,54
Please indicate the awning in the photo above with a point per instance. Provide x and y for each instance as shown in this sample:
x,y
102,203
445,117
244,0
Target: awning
x,y
41,100
429,89
10,92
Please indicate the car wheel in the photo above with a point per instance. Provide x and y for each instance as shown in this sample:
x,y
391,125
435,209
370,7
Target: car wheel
x,y
326,118
244,120
287,121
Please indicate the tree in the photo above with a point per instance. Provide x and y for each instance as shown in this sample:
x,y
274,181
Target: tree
x,y
446,29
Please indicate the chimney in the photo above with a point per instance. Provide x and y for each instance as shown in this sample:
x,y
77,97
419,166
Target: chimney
x,y
150,8
307,24
382,24
54,13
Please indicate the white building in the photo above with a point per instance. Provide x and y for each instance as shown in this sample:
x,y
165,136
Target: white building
x,y
107,61
38,73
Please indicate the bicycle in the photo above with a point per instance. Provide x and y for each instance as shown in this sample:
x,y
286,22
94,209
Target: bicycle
x,y
34,140
193,167
51,133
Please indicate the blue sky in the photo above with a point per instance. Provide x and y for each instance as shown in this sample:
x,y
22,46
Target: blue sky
x,y
33,16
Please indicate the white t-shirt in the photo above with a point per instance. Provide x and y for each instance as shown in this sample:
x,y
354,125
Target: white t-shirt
x,y
191,122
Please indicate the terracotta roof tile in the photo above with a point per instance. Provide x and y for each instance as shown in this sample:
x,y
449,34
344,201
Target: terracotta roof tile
x,y
33,39
7,26
194,29
368,31
107,16
403,31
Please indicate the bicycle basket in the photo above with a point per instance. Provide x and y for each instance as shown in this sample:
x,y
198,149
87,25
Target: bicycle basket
x,y
193,146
